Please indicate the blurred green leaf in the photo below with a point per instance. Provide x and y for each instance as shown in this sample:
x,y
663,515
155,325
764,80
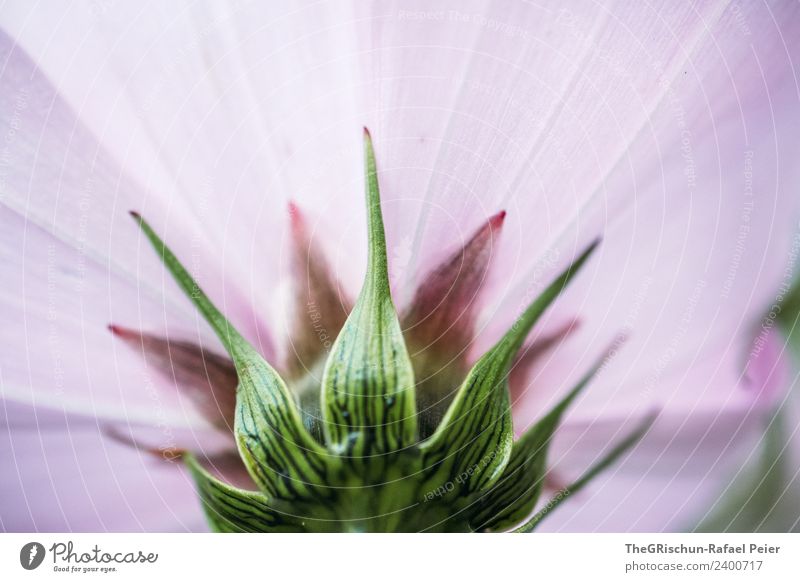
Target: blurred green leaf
x,y
765,496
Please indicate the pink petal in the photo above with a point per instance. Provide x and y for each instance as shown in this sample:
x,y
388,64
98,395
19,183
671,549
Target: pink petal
x,y
61,473
675,275
681,467
73,261
573,120
208,107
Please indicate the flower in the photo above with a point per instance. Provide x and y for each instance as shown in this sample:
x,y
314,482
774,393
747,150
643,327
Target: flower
x,y
671,133
388,439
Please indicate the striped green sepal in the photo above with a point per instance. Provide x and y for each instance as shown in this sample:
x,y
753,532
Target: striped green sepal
x,y
281,456
475,436
368,384
468,451
232,510
515,494
620,449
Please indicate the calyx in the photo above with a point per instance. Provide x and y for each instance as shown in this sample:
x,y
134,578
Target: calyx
x,y
356,452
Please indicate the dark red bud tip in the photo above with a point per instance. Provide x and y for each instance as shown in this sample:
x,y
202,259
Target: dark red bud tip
x,y
135,215
295,215
121,332
496,221
366,133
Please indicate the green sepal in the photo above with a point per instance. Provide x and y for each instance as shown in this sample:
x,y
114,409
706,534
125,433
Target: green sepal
x,y
620,449
473,444
281,456
515,494
368,385
232,510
